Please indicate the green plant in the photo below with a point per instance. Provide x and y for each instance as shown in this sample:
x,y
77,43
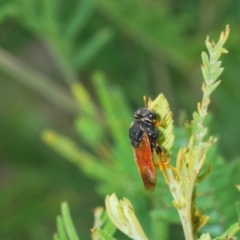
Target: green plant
x,y
48,45
193,163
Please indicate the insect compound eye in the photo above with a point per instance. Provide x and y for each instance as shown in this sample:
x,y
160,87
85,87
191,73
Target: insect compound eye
x,y
152,115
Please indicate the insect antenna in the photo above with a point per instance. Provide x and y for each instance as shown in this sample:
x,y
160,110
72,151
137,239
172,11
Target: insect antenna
x,y
145,101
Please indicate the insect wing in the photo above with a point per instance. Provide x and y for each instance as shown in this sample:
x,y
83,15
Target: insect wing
x,y
145,164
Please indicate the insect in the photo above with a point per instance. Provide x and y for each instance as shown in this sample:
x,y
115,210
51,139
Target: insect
x,y
144,134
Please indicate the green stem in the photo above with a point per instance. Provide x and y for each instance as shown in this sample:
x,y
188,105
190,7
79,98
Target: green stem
x,y
187,210
37,81
62,65
184,211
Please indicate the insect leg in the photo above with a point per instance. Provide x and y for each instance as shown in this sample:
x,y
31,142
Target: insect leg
x,y
163,163
162,166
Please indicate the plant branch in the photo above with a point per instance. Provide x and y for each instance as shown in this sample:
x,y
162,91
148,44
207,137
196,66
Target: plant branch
x,y
37,81
191,159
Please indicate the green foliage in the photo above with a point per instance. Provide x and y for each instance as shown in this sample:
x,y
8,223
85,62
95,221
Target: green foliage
x,y
122,216
229,234
66,229
143,47
105,161
189,164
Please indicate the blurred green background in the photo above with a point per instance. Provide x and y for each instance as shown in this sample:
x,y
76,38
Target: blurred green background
x,y
143,47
